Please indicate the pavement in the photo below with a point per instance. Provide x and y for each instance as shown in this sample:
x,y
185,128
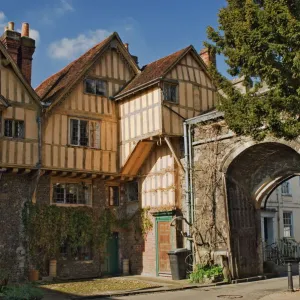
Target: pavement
x,y
270,289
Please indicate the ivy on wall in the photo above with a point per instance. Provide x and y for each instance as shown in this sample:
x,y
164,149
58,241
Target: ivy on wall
x,y
48,227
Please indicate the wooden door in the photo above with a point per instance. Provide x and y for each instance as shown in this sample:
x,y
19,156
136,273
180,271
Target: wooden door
x,y
164,246
113,254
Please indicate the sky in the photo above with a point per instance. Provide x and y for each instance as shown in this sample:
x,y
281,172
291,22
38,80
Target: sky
x,y
65,29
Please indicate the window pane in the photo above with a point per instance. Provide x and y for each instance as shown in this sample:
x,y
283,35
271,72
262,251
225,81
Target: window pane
x,y
114,195
19,129
71,193
58,193
285,188
8,131
74,130
100,87
84,137
90,86
84,191
287,224
170,92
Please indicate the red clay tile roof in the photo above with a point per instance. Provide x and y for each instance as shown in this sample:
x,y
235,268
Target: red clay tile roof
x,y
52,86
154,70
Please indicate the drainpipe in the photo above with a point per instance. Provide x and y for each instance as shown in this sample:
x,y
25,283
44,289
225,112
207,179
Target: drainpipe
x,y
39,122
187,180
190,155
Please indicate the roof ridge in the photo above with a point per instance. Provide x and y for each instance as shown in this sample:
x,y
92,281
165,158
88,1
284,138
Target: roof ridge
x,y
154,70
167,56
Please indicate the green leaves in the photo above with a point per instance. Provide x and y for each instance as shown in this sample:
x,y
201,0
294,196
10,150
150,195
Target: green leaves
x,y
260,39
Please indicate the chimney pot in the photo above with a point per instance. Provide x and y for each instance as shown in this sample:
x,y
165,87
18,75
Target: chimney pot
x,y
11,26
25,29
5,28
126,46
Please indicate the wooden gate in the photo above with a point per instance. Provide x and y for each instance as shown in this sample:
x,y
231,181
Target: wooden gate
x,y
244,233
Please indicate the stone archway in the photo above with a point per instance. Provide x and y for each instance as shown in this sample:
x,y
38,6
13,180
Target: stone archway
x,y
251,171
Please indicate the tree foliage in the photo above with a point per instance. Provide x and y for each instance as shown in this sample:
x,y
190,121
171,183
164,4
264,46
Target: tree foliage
x,y
261,42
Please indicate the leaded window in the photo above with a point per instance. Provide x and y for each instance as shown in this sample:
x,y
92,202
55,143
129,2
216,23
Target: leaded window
x,y
95,86
72,193
170,92
14,128
79,132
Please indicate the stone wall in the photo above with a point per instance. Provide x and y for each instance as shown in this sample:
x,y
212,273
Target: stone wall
x,y
15,190
210,223
130,239
231,176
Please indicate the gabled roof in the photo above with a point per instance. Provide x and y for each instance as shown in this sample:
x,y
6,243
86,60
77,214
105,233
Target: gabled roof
x,y
57,85
155,71
19,74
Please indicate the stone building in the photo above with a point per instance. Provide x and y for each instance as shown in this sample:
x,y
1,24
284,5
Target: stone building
x,y
281,213
230,178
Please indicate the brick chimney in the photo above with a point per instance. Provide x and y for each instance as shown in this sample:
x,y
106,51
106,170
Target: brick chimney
x,y
11,39
207,58
20,47
26,52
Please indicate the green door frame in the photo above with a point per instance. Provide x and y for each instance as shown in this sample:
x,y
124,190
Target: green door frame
x,y
165,216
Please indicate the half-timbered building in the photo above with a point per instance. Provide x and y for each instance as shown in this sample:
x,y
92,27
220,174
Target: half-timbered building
x,y
111,137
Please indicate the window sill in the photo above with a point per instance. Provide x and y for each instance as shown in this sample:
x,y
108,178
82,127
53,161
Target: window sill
x,y
91,94
171,102
71,205
84,147
13,138
287,195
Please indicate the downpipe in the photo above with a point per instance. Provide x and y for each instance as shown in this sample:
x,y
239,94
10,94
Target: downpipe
x,y
187,183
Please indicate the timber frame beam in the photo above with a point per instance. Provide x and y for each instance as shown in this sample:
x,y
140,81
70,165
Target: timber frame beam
x,y
168,141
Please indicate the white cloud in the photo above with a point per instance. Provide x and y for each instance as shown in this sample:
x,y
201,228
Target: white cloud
x,y
34,34
69,49
65,6
2,20
50,13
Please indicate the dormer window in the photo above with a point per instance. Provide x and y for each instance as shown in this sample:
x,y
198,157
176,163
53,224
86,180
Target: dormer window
x,y
170,92
95,87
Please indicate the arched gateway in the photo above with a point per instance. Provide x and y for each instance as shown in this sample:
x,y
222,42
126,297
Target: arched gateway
x,y
249,171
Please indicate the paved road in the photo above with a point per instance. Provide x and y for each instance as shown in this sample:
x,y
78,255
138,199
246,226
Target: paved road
x,y
243,291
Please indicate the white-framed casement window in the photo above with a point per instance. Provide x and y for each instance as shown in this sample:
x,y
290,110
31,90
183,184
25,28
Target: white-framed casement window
x,y
170,92
72,193
84,133
95,87
286,188
14,128
288,224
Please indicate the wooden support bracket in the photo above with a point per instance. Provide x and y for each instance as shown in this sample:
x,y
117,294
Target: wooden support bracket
x,y
174,153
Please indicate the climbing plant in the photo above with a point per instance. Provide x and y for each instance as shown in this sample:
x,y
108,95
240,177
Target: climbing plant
x,y
49,227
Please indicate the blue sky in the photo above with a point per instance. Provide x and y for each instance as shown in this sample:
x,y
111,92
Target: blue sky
x,y
64,29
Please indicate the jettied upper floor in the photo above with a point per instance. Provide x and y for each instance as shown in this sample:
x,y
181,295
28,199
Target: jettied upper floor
x,y
104,114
